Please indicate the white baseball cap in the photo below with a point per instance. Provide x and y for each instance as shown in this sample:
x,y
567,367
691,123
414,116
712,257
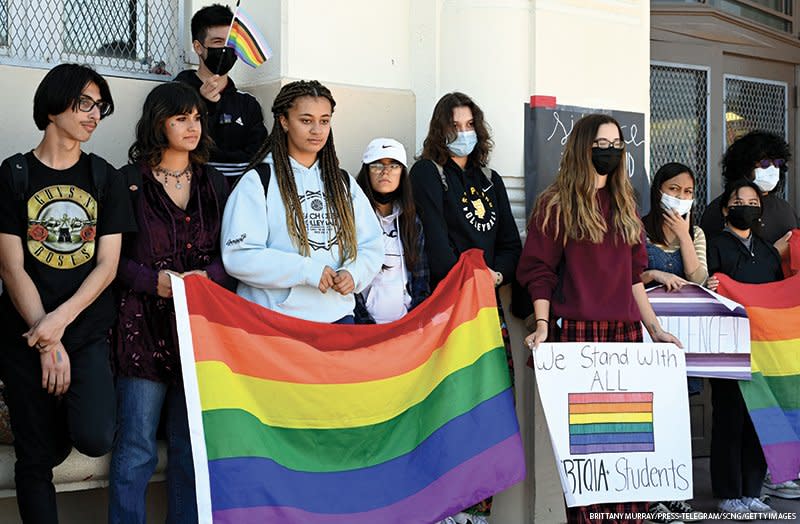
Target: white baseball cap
x,y
384,148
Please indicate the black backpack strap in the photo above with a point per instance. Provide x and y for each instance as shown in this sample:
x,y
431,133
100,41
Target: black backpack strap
x,y
218,182
19,175
264,175
99,170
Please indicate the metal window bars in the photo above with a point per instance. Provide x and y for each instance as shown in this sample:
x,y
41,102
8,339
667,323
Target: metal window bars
x,y
755,104
130,38
679,122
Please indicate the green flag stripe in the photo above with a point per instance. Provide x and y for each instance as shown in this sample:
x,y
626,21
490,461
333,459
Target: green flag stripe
x,y
236,433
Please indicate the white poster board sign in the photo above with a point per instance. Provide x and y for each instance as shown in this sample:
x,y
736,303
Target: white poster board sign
x,y
618,415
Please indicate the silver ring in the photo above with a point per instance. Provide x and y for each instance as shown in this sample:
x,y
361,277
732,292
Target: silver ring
x,y
39,345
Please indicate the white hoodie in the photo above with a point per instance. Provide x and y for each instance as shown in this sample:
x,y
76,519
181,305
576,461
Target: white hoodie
x,y
387,298
257,249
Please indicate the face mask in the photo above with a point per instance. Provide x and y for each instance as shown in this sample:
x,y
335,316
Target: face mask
x,y
219,61
606,161
671,203
464,143
767,178
384,198
743,217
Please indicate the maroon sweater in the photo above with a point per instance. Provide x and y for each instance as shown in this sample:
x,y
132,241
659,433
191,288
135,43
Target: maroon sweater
x,y
596,278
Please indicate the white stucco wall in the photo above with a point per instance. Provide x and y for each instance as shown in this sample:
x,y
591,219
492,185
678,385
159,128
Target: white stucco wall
x,y
111,139
388,62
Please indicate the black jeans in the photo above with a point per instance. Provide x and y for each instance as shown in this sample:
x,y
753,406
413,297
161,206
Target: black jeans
x,y
45,427
738,466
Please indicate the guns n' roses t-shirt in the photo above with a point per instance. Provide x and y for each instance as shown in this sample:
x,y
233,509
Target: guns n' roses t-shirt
x,y
59,222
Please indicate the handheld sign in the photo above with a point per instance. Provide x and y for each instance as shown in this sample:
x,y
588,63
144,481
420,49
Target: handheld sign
x,y
618,416
714,330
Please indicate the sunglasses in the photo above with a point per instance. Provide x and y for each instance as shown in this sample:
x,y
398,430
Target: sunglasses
x,y
766,162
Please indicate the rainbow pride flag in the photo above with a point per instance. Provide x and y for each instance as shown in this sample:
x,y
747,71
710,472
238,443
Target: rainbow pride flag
x,y
296,421
773,394
610,422
247,41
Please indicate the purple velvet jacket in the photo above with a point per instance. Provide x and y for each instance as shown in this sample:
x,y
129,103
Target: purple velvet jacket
x,y
145,338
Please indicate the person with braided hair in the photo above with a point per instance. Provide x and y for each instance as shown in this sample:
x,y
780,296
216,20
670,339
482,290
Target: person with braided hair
x,y
305,243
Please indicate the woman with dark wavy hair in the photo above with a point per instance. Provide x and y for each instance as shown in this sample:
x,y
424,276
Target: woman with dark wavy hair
x,y
762,158
463,205
178,203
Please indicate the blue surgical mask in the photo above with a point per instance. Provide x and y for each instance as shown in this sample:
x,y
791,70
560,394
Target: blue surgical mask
x,y
463,144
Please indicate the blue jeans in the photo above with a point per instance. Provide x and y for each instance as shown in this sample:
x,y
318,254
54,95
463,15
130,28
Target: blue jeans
x,y
135,454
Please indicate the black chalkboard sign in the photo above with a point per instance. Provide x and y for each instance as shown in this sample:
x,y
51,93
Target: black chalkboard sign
x,y
546,132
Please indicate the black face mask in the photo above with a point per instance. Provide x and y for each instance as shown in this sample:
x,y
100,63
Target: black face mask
x,y
605,161
743,217
219,60
384,198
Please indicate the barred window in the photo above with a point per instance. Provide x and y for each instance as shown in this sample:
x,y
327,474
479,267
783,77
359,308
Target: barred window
x,y
755,104
679,122
133,38
3,23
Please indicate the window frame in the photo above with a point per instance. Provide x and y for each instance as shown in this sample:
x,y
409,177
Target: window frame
x,y
54,52
707,71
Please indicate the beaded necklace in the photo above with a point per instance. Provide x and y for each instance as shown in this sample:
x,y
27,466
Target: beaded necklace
x,y
177,175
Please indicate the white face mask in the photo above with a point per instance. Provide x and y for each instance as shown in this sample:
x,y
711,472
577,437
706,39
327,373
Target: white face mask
x,y
670,203
767,177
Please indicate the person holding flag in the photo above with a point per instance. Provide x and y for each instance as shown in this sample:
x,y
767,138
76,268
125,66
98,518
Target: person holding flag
x,y
235,118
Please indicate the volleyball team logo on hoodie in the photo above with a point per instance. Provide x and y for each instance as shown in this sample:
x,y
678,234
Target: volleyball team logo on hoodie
x,y
319,226
478,209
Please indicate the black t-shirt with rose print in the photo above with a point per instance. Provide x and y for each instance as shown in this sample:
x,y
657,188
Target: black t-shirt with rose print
x,y
59,222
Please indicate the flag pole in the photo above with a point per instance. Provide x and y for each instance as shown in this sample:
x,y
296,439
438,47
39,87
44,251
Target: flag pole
x,y
228,36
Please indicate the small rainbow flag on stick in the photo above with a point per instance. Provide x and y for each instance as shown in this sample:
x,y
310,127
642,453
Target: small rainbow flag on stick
x,y
247,41
610,423
296,422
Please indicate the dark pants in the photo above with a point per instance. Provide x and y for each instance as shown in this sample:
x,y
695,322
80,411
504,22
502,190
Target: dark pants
x,y
737,461
45,427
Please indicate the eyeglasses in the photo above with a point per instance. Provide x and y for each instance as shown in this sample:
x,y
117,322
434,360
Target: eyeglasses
x,y
603,143
86,104
766,162
379,168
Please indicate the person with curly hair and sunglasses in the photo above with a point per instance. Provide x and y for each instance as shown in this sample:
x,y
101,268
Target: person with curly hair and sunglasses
x,y
762,158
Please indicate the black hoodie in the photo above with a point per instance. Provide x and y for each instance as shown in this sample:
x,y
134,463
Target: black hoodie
x,y
236,123
472,213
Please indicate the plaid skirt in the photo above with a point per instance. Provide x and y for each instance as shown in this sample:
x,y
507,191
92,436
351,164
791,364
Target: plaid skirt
x,y
600,331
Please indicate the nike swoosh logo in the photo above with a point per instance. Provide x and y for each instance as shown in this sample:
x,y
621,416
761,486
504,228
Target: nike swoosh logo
x,y
385,146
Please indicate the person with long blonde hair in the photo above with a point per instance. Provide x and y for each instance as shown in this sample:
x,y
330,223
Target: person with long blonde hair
x,y
584,256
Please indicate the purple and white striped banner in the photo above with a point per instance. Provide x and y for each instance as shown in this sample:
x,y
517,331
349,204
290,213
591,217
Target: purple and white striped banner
x,y
714,331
